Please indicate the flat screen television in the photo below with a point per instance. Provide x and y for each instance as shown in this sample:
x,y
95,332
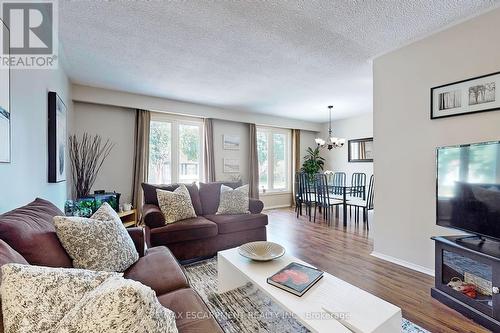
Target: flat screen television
x,y
468,188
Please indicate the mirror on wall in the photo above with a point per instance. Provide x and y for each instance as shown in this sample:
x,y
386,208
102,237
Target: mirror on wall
x,y
360,150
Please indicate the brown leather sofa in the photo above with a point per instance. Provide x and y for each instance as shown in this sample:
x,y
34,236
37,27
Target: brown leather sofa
x,y
27,235
206,234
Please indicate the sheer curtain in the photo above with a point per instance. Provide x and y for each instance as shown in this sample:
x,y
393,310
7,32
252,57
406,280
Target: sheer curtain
x,y
253,167
296,162
208,151
141,157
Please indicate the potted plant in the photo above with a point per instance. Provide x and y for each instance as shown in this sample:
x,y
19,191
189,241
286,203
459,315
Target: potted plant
x,y
313,162
87,155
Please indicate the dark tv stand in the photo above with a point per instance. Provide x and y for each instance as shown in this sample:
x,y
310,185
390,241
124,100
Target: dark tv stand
x,y
474,262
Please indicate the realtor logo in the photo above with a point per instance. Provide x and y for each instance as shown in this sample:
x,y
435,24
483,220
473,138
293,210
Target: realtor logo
x,y
29,37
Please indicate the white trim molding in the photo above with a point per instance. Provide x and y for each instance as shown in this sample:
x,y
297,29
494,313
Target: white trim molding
x,y
404,263
277,206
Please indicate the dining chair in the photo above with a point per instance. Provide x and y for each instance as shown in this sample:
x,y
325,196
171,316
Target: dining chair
x,y
308,192
324,199
298,194
366,204
337,183
358,189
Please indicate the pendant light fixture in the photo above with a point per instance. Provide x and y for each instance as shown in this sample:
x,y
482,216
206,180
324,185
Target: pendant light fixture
x,y
331,142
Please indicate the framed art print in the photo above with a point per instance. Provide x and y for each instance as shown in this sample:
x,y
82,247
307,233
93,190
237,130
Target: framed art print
x,y
5,112
57,138
231,165
474,95
231,142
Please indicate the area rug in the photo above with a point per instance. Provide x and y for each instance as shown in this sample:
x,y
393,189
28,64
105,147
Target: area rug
x,y
247,309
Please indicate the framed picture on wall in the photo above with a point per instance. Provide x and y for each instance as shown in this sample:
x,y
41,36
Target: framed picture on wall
x,y
231,142
5,115
57,138
479,94
231,165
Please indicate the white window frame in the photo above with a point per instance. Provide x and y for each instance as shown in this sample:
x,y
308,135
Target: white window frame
x,y
176,121
270,158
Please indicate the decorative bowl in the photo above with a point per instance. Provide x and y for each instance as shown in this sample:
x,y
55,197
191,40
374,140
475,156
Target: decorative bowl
x,y
261,251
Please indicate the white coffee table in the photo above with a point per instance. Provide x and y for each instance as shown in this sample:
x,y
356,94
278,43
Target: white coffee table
x,y
365,312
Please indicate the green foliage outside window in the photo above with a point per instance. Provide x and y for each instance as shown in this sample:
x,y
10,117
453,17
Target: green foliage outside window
x,y
190,143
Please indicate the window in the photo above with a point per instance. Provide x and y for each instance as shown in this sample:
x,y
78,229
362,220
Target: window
x,y
175,149
273,150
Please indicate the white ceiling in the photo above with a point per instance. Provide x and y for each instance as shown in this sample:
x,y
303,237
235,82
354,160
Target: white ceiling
x,y
284,58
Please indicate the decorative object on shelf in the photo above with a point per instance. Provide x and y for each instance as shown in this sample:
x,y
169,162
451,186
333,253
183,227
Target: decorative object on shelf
x,y
87,156
234,178
231,165
313,162
88,205
127,207
468,289
5,127
231,142
479,94
261,251
57,139
360,150
84,207
331,142
100,197
69,208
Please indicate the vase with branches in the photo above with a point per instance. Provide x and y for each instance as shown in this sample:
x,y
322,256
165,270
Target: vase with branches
x,y
313,162
87,154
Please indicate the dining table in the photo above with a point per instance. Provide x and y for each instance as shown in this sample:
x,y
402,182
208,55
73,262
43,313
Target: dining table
x,y
341,192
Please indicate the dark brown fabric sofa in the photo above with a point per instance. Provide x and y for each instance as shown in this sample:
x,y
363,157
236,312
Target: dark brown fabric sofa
x,y
208,233
27,235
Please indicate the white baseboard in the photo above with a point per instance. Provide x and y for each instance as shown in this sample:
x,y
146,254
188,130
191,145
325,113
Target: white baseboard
x,y
278,206
404,263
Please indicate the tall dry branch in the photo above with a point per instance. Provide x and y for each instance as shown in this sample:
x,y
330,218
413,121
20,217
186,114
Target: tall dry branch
x,y
87,155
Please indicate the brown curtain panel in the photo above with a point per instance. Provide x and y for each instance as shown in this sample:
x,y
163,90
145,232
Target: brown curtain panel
x,y
296,162
253,167
208,151
141,157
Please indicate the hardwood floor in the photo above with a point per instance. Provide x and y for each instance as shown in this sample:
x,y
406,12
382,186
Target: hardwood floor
x,y
345,253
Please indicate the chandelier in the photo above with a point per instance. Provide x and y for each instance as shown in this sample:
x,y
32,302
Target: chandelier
x,y
331,142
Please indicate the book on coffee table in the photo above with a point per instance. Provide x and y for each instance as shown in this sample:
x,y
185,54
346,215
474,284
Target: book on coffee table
x,y
296,278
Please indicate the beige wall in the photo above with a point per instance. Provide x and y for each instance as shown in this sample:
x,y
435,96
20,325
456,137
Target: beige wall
x,y
119,98
117,124
350,128
406,138
306,141
222,127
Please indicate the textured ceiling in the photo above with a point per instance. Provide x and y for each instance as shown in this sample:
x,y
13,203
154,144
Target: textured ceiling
x,y
285,58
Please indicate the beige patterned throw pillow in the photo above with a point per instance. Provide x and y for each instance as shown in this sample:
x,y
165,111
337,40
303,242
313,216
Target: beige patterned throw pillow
x,y
119,305
35,299
99,243
60,300
175,205
233,201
